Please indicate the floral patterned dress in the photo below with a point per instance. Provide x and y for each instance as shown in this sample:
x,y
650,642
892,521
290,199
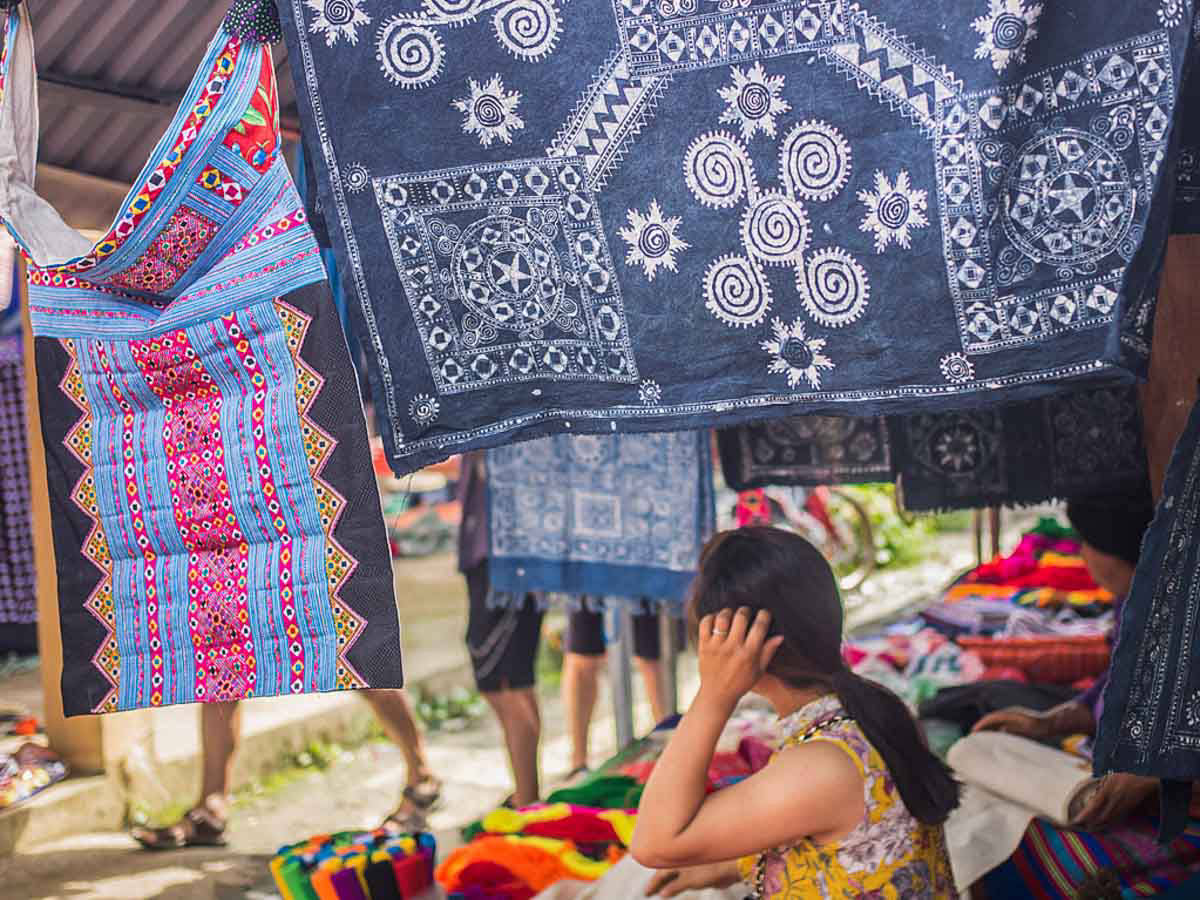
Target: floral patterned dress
x,y
889,855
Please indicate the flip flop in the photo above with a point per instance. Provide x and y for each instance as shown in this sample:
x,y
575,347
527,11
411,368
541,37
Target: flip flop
x,y
197,828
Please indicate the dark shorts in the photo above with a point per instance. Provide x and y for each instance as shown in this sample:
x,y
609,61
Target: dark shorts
x,y
503,643
585,634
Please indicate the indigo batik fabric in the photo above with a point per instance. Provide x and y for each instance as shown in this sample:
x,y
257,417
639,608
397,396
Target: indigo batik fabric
x,y
1066,445
627,215
603,515
1151,721
806,451
217,528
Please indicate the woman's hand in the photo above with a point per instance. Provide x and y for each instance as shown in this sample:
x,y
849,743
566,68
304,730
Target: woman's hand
x,y
1117,796
672,882
734,653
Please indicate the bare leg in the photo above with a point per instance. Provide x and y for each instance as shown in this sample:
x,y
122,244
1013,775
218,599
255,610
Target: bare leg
x,y
580,686
220,732
521,720
652,678
392,709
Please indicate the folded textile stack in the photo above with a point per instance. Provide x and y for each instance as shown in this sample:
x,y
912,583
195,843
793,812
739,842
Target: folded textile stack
x,y
356,865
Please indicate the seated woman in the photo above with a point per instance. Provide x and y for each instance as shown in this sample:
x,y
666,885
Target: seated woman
x,y
1113,853
852,806
1110,528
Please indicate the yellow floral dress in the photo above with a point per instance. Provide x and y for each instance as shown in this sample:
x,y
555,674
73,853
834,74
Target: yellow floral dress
x,y
889,855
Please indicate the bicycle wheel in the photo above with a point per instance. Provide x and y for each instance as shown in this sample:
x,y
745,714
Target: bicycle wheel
x,y
838,525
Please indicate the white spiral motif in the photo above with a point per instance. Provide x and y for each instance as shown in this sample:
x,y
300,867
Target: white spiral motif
x,y
718,170
893,210
814,161
736,291
775,230
957,368
528,29
1009,31
833,287
339,12
411,56
356,177
654,241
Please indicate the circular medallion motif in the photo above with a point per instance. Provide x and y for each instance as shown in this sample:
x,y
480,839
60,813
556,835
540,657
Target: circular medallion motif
x,y
1067,198
833,287
775,229
508,273
736,291
411,56
814,161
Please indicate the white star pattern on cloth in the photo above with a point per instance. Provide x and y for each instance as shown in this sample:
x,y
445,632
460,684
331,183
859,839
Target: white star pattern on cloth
x,y
795,354
753,101
1006,30
1070,197
337,19
893,210
490,111
512,274
652,240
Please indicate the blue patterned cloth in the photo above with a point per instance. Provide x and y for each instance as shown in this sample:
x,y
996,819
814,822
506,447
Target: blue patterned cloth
x,y
806,451
615,516
623,215
1151,720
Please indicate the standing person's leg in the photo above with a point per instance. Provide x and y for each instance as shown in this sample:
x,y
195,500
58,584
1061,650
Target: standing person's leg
x,y
503,644
422,789
204,824
583,660
647,654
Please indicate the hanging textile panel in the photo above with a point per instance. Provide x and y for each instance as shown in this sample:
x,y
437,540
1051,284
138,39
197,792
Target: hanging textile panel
x,y
806,451
1065,445
602,515
1151,719
217,528
598,215
18,600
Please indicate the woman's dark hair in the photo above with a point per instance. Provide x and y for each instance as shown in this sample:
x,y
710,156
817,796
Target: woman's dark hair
x,y
781,572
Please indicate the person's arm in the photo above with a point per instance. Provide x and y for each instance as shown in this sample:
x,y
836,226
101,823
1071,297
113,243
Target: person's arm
x,y
807,790
1072,717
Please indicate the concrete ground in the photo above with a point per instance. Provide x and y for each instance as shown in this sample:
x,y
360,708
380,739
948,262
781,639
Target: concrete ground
x,y
361,787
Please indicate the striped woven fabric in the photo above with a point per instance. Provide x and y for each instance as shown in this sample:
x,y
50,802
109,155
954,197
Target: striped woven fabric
x,y
217,528
1054,863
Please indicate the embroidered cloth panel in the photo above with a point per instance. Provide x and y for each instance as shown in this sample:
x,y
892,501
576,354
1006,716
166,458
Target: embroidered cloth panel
x,y
620,515
632,215
217,529
1151,719
18,601
806,451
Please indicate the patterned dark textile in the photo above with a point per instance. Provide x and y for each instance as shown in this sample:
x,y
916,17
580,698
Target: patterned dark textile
x,y
1151,722
1061,446
621,215
805,451
18,600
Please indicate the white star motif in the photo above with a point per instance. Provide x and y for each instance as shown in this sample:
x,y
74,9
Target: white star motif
x,y
1006,31
753,101
511,274
652,240
337,19
490,111
893,210
1070,197
796,355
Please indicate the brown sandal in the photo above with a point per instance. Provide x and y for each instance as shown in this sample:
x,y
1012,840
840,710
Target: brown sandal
x,y
198,828
418,801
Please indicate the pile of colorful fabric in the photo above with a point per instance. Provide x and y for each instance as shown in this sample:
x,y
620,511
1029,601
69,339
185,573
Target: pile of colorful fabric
x,y
355,865
583,830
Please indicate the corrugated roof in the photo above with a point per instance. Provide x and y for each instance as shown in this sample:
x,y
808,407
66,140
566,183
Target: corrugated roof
x,y
111,73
